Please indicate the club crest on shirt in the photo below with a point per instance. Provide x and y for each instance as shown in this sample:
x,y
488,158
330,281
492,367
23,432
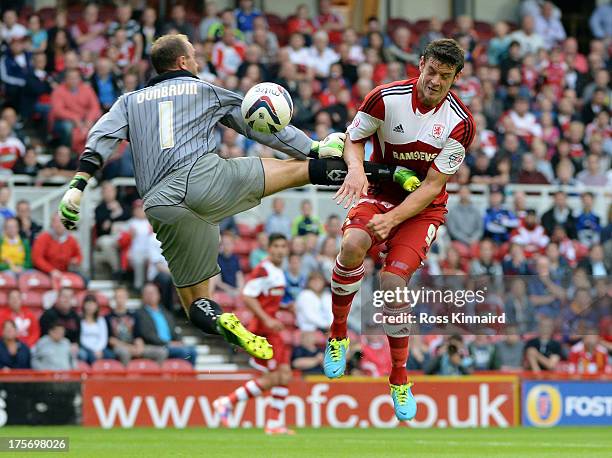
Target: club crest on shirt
x,y
437,130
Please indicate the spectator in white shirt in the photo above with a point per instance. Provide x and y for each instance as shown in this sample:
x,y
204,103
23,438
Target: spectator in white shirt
x,y
524,121
10,28
531,236
530,41
299,54
94,333
321,55
313,308
549,26
138,254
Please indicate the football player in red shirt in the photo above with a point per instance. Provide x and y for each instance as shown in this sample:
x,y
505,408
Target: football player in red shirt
x,y
421,125
262,293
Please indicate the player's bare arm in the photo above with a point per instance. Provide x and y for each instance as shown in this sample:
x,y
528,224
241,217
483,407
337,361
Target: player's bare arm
x,y
254,306
413,204
356,182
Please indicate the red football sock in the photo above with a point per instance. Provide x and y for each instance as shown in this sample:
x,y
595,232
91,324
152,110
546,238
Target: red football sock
x,y
345,283
277,408
399,355
250,389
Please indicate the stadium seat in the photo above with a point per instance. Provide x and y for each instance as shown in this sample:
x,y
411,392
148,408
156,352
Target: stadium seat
x,y
32,299
82,366
177,365
107,365
242,247
143,365
7,281
34,281
69,280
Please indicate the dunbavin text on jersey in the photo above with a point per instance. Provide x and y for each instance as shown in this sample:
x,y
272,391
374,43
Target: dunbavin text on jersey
x,y
414,156
171,90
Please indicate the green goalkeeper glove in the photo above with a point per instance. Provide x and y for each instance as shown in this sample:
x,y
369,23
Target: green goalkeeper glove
x,y
70,205
406,178
330,147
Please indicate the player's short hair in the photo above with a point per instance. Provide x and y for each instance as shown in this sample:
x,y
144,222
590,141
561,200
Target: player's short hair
x,y
166,49
274,237
447,51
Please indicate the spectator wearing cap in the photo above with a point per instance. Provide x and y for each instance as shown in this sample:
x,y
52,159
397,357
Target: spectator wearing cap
x,y
14,354
56,251
531,235
15,65
15,255
588,225
498,221
27,327
74,110
464,220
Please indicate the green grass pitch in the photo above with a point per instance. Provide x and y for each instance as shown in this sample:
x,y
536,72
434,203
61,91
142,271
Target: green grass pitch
x,y
315,443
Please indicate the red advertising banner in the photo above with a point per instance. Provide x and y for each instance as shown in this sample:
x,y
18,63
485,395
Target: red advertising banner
x,y
352,402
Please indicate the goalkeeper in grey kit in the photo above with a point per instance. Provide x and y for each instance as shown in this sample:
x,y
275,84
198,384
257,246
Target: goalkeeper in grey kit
x,y
186,187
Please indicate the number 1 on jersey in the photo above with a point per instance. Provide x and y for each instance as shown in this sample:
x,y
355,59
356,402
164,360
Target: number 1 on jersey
x,y
166,124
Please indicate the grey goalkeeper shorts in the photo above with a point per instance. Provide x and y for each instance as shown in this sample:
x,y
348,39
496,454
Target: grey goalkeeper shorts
x,y
185,209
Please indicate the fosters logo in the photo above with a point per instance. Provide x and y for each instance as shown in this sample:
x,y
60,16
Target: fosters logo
x,y
544,405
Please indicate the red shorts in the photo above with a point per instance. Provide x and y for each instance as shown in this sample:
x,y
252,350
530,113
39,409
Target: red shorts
x,y
282,352
407,245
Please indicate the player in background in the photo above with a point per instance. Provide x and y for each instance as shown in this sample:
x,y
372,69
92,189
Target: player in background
x,y
421,125
263,293
186,187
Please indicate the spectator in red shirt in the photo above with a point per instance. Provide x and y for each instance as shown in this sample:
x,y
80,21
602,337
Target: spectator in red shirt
x,y
301,22
528,173
74,110
531,236
329,21
588,356
28,330
11,148
55,251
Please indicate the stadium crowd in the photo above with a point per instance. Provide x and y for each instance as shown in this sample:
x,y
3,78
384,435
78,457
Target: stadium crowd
x,y
542,107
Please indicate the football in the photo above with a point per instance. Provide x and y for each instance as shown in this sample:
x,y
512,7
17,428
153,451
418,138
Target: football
x,y
267,108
